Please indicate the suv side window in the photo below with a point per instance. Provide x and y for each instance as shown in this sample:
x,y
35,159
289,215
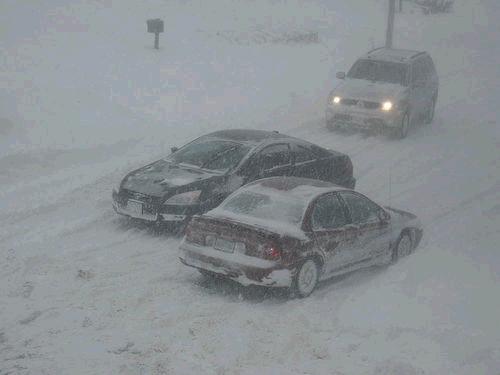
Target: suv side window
x,y
274,156
431,69
419,72
362,209
328,213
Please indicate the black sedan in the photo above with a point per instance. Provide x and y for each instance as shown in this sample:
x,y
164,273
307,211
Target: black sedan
x,y
200,175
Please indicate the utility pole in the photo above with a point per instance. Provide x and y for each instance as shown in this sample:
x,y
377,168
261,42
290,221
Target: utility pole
x,y
390,24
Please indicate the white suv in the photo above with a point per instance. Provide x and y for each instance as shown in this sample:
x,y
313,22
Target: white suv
x,y
388,89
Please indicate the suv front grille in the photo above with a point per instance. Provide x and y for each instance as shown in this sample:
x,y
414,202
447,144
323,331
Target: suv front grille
x,y
371,105
360,103
349,101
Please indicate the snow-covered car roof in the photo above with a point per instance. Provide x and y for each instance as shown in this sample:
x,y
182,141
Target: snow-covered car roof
x,y
304,189
392,55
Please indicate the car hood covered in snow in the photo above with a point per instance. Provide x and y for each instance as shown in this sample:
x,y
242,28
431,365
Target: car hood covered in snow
x,y
161,177
368,90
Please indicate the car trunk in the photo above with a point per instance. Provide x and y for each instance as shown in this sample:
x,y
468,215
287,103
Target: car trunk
x,y
255,239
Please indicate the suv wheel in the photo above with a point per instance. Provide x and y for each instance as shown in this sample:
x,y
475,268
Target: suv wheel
x,y
430,112
402,131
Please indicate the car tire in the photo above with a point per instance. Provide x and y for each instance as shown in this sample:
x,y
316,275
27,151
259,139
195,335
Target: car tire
x,y
429,117
306,278
403,247
402,131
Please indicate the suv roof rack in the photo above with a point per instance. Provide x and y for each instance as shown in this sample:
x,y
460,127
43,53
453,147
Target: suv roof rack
x,y
375,49
417,54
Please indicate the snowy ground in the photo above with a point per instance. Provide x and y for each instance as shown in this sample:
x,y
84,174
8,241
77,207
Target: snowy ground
x,y
84,98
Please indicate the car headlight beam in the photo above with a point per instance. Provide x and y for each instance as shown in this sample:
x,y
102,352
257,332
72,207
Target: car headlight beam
x,y
336,100
387,105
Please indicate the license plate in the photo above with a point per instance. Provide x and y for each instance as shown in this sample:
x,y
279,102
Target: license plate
x,y
134,207
224,245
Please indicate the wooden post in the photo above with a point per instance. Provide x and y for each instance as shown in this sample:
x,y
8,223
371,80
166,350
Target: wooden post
x,y
155,26
157,40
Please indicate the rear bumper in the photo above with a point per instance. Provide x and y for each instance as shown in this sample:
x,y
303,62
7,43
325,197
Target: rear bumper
x,y
241,268
366,119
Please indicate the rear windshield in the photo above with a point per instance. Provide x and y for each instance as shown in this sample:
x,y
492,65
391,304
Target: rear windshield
x,y
211,154
269,206
380,71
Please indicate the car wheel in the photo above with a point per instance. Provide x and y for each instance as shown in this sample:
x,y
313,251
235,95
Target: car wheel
x,y
306,278
402,131
430,112
403,247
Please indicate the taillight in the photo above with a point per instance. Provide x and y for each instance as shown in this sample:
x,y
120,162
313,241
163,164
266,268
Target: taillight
x,y
193,236
271,251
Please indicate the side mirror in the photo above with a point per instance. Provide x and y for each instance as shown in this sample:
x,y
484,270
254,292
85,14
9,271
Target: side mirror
x,y
174,149
383,216
340,75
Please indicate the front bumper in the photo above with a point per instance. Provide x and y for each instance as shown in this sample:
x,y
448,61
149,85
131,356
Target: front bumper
x,y
241,268
139,209
360,118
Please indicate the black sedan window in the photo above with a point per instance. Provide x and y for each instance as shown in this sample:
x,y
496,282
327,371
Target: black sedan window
x,y
211,154
275,156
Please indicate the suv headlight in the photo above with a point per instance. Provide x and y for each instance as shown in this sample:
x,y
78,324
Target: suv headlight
x,y
190,197
336,99
387,105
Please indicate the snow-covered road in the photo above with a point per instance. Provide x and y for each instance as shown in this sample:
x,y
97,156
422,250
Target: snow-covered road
x,y
84,98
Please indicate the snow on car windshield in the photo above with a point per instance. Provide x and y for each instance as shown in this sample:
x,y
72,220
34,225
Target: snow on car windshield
x,y
211,154
379,71
268,204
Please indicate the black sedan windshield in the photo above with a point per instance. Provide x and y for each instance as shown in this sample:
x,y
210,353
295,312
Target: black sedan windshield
x,y
379,71
211,154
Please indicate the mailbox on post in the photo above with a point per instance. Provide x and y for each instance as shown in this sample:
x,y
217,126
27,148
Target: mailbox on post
x,y
155,26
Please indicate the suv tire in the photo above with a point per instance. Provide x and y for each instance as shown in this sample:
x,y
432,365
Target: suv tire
x,y
402,131
430,111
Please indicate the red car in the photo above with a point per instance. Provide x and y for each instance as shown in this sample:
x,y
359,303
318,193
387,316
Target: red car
x,y
293,232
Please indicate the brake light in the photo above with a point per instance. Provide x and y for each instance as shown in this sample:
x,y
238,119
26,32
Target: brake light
x,y
193,236
271,251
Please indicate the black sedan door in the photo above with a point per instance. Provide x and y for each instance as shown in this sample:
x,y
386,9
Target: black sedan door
x,y
304,161
275,160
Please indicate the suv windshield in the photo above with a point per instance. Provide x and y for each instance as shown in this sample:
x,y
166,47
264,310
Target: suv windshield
x,y
210,154
380,71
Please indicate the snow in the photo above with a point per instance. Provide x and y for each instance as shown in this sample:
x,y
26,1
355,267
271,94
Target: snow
x,y
84,98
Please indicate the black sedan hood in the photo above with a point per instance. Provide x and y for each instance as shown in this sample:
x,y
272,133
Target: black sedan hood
x,y
163,177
